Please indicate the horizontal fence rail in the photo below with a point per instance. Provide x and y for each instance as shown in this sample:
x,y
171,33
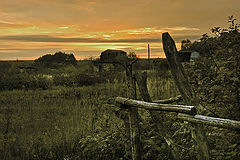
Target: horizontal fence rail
x,y
211,121
156,106
170,100
186,113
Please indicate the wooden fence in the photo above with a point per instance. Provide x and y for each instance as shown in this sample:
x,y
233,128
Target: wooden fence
x,y
186,112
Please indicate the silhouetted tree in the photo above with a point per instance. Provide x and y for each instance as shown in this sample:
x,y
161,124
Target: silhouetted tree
x,y
58,59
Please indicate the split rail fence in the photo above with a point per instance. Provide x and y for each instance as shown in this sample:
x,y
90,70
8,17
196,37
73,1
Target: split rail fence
x,y
185,112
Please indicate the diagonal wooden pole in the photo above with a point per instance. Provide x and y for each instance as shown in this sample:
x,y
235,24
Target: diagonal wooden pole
x,y
186,92
156,117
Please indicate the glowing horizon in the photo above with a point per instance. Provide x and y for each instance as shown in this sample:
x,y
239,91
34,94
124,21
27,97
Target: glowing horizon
x,y
30,28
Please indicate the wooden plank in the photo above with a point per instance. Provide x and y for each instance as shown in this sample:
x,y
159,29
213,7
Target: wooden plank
x,y
133,115
211,121
170,100
156,106
177,70
186,92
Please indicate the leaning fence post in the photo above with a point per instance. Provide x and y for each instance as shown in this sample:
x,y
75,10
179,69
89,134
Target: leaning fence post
x,y
142,85
186,92
133,115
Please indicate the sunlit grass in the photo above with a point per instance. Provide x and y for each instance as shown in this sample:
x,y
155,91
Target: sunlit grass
x,y
53,116
49,123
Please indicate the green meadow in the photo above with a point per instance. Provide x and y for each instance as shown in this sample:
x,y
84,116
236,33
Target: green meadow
x,y
76,122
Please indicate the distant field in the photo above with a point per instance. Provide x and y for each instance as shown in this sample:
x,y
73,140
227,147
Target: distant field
x,y
41,124
64,113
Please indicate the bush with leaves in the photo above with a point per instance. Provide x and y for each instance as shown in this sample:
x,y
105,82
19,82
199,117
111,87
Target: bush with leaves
x,y
216,79
25,81
78,79
110,145
216,75
59,59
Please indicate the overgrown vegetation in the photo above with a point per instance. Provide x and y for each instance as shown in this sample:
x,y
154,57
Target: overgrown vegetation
x,y
217,73
216,79
61,111
74,122
59,59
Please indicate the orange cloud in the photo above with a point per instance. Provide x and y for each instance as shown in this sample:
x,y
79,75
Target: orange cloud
x,y
87,27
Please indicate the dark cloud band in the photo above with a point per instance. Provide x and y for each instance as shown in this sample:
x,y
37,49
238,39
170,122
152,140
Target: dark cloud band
x,y
46,38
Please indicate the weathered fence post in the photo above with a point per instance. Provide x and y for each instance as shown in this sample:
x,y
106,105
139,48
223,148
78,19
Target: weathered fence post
x,y
186,92
133,115
156,117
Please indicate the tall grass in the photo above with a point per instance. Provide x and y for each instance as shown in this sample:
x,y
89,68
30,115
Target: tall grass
x,y
78,123
50,124
34,123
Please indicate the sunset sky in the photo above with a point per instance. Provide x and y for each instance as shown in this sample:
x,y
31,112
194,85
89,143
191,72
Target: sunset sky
x,y
32,28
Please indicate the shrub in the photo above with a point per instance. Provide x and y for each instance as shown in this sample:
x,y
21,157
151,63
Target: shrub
x,y
77,79
216,75
87,79
64,80
24,81
110,145
56,60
